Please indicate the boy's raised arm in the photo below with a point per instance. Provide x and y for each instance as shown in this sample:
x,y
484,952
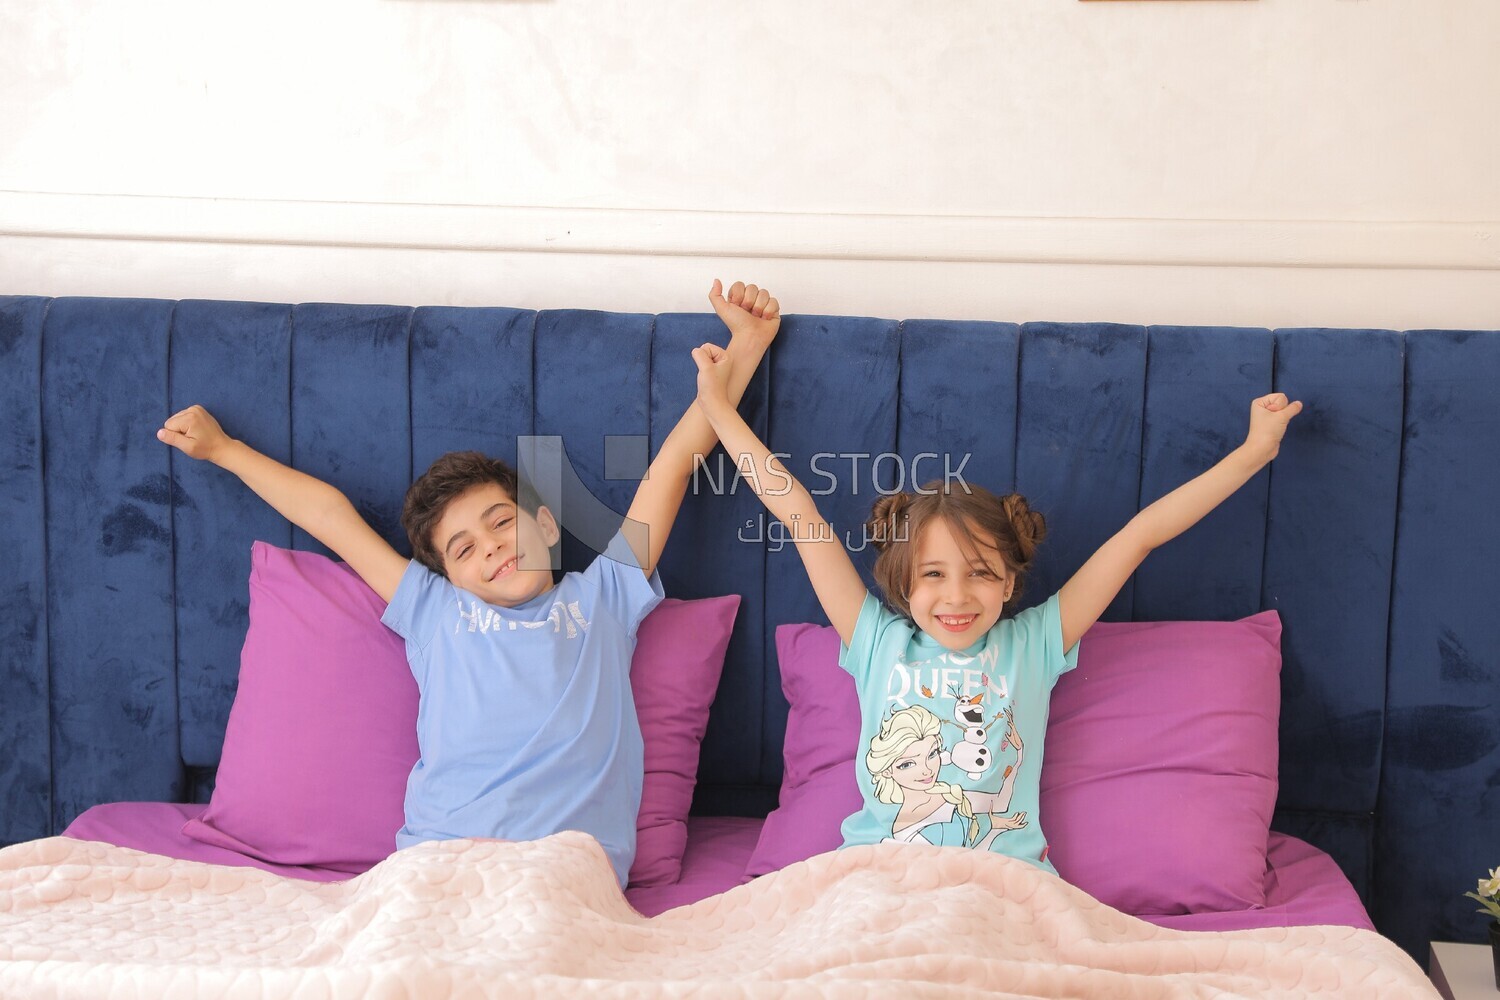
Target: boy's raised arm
x,y
753,318
311,504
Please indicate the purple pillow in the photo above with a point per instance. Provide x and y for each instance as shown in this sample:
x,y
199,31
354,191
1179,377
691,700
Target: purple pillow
x,y
818,788
323,730
1160,770
322,734
679,655
1160,774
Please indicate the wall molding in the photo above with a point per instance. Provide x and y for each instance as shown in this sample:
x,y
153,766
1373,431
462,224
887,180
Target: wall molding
x,y
651,232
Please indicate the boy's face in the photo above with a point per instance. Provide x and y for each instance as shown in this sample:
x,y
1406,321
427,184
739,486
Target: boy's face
x,y
495,550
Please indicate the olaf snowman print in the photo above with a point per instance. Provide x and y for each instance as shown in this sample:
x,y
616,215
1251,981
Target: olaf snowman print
x,y
972,755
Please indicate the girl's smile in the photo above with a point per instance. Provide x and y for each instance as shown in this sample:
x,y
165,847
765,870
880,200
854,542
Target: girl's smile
x,y
956,623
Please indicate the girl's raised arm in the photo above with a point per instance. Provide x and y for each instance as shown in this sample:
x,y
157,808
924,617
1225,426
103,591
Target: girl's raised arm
x,y
834,579
1084,597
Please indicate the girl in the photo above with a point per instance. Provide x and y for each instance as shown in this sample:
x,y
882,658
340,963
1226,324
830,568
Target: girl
x,y
949,563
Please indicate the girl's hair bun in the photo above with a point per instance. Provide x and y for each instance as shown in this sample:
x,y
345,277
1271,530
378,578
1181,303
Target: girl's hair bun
x,y
1029,525
887,519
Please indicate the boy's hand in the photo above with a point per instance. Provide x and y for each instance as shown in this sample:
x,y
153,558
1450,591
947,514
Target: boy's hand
x,y
747,311
713,375
1269,416
195,433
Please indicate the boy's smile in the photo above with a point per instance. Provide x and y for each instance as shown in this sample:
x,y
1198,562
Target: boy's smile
x,y
495,550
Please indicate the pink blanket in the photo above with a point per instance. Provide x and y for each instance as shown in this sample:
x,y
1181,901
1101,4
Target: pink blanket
x,y
474,918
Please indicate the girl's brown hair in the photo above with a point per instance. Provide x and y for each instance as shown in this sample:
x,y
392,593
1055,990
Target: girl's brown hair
x,y
972,512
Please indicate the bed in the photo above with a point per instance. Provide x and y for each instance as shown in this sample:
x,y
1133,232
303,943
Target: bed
x,y
1303,886
1276,739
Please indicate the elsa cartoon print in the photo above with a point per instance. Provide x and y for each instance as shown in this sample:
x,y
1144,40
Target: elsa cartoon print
x,y
903,760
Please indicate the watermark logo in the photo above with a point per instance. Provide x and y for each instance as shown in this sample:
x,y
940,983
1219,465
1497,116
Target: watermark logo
x,y
775,533
886,471
542,461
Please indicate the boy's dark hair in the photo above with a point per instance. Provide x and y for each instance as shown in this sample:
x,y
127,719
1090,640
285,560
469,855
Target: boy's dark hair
x,y
445,480
898,519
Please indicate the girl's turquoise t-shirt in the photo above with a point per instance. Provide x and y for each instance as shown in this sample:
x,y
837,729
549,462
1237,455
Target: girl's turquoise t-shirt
x,y
950,743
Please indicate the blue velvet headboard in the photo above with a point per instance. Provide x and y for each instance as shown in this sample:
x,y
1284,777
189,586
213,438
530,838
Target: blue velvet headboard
x,y
123,602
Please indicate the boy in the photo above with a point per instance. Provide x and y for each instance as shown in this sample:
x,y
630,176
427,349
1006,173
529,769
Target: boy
x,y
526,726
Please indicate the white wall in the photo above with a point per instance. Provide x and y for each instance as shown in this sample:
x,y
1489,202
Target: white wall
x,y
1261,162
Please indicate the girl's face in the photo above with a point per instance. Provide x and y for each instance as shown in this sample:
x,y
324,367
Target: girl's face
x,y
956,597
917,769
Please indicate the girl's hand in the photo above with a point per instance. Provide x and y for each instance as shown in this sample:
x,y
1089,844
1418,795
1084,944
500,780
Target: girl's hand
x,y
1269,416
713,375
747,311
195,433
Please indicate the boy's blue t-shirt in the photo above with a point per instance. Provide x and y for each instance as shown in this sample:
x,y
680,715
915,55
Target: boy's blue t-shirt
x,y
526,722
935,763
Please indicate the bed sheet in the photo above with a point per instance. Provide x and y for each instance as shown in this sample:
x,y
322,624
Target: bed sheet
x,y
1304,886
156,827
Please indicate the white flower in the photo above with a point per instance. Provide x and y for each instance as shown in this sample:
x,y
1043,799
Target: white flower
x,y
1488,896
